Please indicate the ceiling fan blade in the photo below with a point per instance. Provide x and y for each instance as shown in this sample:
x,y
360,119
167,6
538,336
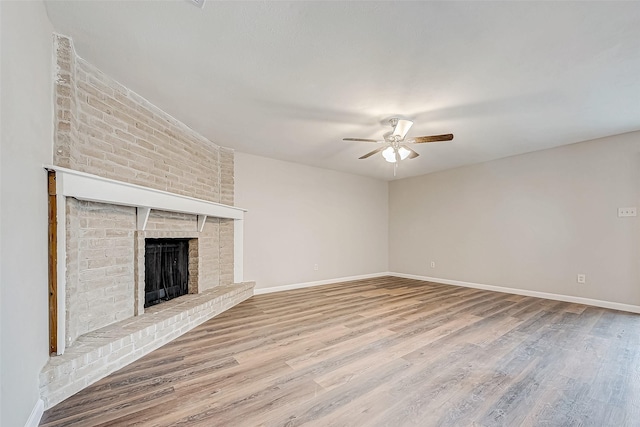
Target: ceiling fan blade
x,y
402,127
432,138
371,153
413,153
359,139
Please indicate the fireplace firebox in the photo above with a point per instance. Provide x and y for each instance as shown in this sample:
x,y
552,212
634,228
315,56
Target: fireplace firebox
x,y
166,263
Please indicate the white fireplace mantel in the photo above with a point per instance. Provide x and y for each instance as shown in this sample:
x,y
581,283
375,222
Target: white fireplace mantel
x,y
93,188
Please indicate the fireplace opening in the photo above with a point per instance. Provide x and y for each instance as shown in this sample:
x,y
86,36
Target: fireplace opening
x,y
166,264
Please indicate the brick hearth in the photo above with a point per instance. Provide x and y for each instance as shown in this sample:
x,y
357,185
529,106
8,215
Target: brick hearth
x,y
97,354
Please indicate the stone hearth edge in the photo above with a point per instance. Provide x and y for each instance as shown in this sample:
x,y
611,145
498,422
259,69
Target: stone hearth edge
x,y
99,353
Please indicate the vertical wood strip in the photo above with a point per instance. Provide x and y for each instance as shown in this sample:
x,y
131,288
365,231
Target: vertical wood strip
x,y
53,264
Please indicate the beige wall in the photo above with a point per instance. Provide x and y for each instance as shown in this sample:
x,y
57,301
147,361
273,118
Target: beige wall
x,y
300,216
26,144
529,222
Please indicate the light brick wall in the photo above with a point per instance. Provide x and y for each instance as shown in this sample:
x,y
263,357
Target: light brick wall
x,y
209,255
65,105
159,220
226,251
120,135
105,129
100,280
226,225
226,176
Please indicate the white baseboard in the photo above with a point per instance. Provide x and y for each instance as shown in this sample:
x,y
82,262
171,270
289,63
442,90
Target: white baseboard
x,y
318,283
537,294
36,414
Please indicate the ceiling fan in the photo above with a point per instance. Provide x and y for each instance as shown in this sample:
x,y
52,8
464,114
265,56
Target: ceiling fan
x,y
395,146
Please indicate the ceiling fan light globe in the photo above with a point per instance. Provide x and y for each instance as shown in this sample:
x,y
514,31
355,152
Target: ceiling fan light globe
x,y
389,154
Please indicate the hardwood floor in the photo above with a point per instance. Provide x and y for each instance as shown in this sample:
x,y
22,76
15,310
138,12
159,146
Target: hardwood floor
x,y
381,352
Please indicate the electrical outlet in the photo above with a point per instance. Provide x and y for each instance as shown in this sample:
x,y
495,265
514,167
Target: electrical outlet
x,y
315,267
627,212
433,264
582,278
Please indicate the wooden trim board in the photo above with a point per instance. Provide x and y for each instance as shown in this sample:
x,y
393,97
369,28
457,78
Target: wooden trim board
x,y
53,263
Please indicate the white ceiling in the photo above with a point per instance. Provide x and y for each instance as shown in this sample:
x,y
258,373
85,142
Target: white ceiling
x,y
289,80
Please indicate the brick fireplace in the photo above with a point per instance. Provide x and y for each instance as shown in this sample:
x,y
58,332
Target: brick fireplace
x,y
101,260
126,171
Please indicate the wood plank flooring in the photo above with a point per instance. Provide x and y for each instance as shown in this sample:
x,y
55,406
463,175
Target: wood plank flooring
x,y
381,352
